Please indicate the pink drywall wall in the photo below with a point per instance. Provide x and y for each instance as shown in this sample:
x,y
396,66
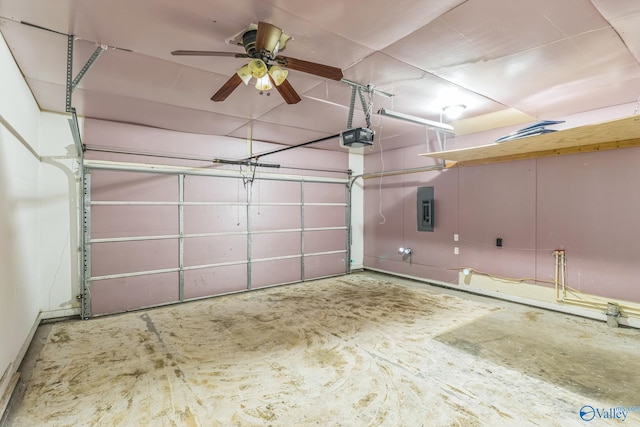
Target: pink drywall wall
x,y
498,202
99,134
586,204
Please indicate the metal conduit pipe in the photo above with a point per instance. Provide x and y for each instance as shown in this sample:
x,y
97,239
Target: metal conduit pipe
x,y
612,310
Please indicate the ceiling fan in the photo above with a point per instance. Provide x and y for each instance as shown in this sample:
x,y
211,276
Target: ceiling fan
x,y
262,43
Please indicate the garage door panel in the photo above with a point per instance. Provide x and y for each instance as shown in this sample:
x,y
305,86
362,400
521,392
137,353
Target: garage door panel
x,y
133,186
275,272
214,189
133,221
317,192
324,265
214,249
269,191
133,256
215,281
219,221
214,219
325,240
275,245
324,216
275,217
129,293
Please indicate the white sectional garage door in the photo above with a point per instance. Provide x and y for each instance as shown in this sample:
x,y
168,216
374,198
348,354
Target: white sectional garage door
x,y
159,238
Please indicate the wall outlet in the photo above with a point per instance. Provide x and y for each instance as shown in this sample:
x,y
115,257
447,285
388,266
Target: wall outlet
x,y
455,237
456,251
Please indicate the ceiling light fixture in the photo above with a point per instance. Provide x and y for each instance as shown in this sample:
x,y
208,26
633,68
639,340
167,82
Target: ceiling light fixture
x,y
257,68
413,119
266,76
264,83
454,112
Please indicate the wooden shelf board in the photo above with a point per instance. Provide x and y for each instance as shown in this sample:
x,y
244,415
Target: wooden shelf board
x,y
611,135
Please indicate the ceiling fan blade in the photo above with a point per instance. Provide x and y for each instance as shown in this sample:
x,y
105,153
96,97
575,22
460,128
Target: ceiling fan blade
x,y
267,37
227,88
287,91
326,71
207,53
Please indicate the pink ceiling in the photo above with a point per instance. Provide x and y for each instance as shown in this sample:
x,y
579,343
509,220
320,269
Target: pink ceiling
x,y
544,58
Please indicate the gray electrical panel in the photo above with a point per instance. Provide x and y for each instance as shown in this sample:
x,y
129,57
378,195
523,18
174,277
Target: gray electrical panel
x,y
425,208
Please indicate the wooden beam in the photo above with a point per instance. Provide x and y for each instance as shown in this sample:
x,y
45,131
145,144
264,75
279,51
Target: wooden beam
x,y
614,145
611,135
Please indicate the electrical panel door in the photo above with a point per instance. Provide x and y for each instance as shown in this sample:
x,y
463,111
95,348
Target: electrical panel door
x,y
425,209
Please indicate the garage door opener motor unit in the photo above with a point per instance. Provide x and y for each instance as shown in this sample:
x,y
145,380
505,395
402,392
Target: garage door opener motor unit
x,y
357,138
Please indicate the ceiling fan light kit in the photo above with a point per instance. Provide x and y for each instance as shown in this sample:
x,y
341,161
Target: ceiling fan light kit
x,y
257,68
264,83
262,44
278,74
244,74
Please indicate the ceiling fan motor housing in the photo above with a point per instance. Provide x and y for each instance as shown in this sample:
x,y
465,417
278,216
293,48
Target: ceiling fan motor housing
x,y
249,43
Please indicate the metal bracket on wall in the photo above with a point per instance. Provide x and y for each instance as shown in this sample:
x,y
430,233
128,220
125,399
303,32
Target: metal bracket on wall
x,y
69,71
75,133
72,83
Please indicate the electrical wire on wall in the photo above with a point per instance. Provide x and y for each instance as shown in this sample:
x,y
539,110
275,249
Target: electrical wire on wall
x,y
369,110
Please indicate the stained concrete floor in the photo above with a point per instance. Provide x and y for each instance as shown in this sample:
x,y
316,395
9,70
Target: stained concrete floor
x,y
359,350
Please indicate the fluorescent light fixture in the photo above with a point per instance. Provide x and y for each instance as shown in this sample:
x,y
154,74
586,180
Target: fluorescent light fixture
x,y
413,119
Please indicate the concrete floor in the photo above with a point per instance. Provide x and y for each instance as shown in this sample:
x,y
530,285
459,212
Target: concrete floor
x,y
359,350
